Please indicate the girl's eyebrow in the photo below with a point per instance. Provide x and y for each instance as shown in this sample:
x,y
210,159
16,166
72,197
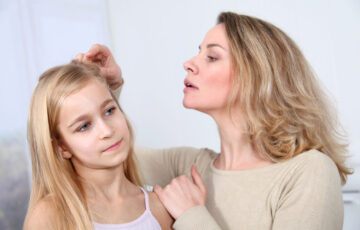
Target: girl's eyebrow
x,y
106,102
79,118
84,116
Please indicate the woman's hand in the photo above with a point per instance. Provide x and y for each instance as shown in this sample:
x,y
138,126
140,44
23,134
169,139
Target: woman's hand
x,y
101,55
182,193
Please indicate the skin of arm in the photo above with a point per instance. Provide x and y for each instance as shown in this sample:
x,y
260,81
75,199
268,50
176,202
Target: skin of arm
x,y
160,212
40,216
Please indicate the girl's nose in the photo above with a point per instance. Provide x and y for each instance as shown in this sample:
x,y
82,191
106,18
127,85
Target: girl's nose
x,y
105,130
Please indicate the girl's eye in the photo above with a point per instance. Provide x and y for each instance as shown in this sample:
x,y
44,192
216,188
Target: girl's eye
x,y
84,127
211,58
110,111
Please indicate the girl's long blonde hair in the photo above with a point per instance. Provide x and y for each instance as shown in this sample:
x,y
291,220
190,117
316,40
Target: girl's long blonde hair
x,y
285,109
53,176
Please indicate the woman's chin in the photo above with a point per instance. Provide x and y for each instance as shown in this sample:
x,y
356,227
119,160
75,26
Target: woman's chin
x,y
187,104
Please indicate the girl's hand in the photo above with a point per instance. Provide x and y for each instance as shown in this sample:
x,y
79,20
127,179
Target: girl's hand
x,y
182,193
101,55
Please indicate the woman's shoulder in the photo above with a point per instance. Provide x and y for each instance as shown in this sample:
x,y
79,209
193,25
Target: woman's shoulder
x,y
40,215
314,158
315,166
159,211
182,154
179,150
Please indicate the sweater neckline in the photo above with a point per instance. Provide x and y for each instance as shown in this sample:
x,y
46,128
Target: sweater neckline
x,y
245,171
261,169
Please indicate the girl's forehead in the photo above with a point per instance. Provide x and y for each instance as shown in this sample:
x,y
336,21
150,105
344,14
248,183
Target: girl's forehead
x,y
86,99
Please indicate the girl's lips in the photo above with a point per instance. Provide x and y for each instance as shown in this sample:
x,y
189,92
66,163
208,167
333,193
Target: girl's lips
x,y
114,146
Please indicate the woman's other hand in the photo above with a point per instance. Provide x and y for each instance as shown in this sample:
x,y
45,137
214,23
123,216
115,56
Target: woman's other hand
x,y
182,193
102,56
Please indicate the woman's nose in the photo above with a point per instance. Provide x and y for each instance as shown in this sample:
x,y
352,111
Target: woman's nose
x,y
190,66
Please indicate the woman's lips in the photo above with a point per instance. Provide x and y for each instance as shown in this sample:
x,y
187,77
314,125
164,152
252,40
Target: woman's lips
x,y
114,146
189,86
189,89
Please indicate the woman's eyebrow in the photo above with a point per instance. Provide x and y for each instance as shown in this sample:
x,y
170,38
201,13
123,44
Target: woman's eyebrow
x,y
213,45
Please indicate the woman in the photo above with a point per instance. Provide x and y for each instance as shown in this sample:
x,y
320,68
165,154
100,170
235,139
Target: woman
x,y
84,174
282,157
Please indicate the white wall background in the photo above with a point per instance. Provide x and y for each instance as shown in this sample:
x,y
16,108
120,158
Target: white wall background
x,y
152,39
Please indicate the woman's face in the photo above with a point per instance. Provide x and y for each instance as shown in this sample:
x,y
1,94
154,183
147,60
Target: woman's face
x,y
93,130
208,80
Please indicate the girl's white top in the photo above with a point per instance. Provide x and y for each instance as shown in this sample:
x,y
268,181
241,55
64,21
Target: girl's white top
x,y
145,222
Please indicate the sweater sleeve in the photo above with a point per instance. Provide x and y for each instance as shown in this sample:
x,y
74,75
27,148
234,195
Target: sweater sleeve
x,y
196,218
312,200
160,166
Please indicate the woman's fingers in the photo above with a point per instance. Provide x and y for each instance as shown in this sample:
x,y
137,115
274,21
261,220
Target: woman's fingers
x,y
101,55
80,57
182,193
159,191
96,50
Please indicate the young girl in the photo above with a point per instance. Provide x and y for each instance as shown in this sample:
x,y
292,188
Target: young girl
x,y
83,171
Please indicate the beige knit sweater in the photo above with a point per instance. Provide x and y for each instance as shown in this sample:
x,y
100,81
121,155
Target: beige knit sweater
x,y
301,193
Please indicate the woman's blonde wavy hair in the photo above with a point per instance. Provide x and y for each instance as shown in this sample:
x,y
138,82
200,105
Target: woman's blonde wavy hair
x,y
285,109
53,176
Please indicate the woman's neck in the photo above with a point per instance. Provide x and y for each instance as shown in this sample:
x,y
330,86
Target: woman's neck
x,y
237,150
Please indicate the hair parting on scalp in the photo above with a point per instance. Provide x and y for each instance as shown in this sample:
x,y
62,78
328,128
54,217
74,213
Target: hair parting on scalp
x,y
53,177
285,109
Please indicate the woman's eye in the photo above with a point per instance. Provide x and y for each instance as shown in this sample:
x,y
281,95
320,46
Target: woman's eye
x,y
110,111
211,58
84,127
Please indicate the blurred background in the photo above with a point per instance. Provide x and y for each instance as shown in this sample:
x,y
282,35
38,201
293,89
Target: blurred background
x,y
151,40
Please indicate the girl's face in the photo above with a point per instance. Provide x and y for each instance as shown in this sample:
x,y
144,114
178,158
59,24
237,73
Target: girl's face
x,y
208,80
93,130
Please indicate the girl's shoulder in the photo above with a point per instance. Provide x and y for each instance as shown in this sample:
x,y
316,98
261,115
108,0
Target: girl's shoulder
x,y
40,215
159,211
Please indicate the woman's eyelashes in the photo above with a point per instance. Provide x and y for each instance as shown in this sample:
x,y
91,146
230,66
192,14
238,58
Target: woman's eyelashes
x,y
211,58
